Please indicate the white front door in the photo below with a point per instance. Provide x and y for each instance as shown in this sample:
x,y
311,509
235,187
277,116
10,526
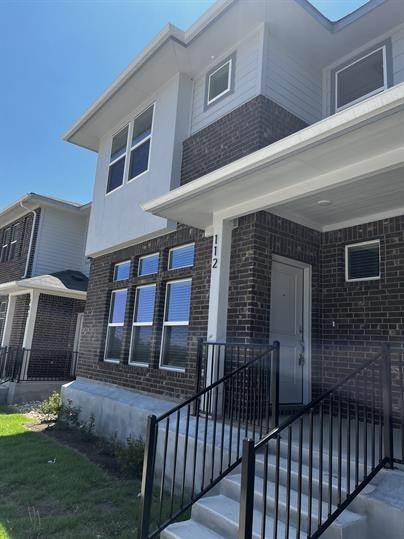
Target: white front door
x,y
288,327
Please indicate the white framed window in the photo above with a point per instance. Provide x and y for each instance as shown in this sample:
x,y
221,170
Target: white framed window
x,y
361,79
116,321
117,159
362,261
5,244
181,257
122,271
142,328
13,242
148,264
173,353
140,144
219,81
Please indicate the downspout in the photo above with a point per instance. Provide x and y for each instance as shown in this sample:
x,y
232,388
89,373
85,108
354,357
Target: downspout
x,y
31,240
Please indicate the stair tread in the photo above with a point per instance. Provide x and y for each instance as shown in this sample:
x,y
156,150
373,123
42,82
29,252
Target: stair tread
x,y
188,529
229,509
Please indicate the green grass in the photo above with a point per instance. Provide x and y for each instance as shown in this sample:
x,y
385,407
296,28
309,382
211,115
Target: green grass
x,y
72,498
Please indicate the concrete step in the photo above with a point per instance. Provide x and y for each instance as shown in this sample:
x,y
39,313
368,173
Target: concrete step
x,y
231,487
222,514
3,393
190,529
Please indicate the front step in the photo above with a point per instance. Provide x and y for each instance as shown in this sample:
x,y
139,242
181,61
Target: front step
x,y
217,515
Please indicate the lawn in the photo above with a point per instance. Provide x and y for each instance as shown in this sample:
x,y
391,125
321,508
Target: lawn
x,y
48,490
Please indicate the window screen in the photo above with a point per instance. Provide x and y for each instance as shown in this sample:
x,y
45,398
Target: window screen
x,y
117,160
148,264
122,271
116,320
142,330
219,81
363,261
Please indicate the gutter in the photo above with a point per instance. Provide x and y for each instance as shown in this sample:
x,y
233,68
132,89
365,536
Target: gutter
x,y
31,240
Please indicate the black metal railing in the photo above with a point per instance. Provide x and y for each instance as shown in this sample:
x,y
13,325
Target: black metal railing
x,y
36,364
342,439
194,445
11,359
397,374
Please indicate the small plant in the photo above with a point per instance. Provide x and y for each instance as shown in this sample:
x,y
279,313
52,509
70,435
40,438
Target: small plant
x,y
69,415
130,457
87,429
50,407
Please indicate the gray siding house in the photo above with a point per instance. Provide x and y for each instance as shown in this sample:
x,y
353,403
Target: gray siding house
x,y
249,191
43,284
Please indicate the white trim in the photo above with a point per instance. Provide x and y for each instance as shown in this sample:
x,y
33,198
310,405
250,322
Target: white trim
x,y
307,320
120,264
168,324
142,258
8,323
176,249
369,94
113,324
29,330
140,324
229,75
360,244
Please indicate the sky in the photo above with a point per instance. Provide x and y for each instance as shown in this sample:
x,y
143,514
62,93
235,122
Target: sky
x,y
56,58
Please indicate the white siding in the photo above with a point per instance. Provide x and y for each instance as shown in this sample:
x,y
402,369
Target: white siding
x,y
397,43
117,218
61,242
246,83
292,82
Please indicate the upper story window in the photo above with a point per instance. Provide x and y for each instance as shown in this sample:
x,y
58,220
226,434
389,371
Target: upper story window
x,y
220,81
5,242
148,264
12,251
140,145
122,271
139,132
117,159
362,261
181,257
115,329
360,79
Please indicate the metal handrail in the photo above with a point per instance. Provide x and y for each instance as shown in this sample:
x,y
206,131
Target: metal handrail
x,y
221,409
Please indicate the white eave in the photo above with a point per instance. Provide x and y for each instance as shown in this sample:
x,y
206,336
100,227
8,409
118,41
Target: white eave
x,y
363,139
25,286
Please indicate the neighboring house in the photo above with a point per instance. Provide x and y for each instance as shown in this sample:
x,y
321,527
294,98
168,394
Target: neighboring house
x,y
43,283
249,188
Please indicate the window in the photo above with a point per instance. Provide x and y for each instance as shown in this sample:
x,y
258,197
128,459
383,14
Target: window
x,y
140,145
219,81
5,244
114,340
142,325
148,264
117,160
122,271
181,257
13,242
362,261
361,79
175,325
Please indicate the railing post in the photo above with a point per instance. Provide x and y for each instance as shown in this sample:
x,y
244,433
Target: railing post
x,y
275,385
148,477
387,406
247,490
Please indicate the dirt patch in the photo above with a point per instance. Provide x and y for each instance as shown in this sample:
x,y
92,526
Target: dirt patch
x,y
94,449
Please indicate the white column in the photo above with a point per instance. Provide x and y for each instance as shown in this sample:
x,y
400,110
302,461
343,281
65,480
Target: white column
x,y
219,280
29,330
8,323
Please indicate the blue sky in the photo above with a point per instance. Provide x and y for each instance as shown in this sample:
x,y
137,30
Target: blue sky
x,y
56,58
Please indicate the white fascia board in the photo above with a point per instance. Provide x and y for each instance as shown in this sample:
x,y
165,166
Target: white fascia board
x,y
315,134
19,287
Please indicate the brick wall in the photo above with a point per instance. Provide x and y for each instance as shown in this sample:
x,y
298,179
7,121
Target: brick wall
x,y
19,320
14,269
248,128
55,323
151,379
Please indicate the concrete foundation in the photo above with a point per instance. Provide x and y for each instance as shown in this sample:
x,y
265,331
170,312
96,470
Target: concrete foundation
x,y
19,392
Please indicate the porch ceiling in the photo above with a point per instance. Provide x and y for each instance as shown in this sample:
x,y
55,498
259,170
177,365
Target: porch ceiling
x,y
354,158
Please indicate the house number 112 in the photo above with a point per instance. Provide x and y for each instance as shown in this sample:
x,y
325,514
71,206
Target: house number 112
x,y
214,257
